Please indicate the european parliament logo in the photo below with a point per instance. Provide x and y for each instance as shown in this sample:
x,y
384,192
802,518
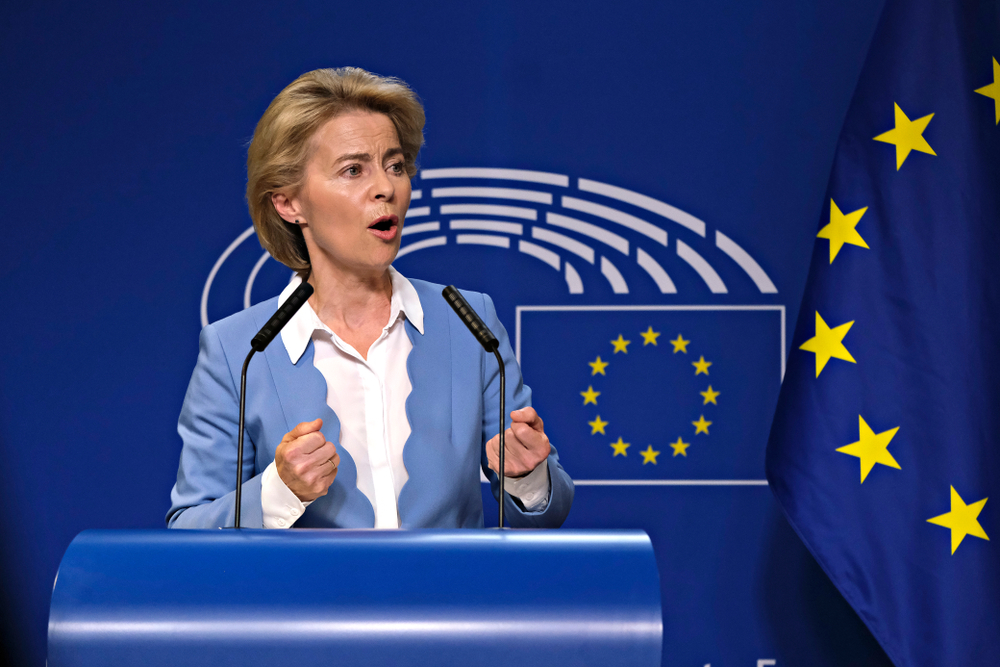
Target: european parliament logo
x,y
654,346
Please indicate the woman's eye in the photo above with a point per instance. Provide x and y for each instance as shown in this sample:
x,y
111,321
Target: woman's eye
x,y
397,167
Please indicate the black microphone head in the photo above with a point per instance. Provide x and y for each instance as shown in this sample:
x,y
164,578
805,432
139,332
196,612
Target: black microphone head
x,y
281,316
470,318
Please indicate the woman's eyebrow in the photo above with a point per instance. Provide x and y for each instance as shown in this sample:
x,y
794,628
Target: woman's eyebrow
x,y
359,157
367,157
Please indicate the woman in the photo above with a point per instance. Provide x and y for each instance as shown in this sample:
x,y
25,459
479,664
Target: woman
x,y
376,406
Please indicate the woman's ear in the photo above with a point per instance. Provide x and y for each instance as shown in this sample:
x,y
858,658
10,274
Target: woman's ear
x,y
286,207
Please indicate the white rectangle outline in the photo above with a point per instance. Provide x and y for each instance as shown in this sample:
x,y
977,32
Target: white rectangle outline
x,y
654,482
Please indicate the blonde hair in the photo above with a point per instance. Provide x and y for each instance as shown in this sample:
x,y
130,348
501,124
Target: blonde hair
x,y
280,146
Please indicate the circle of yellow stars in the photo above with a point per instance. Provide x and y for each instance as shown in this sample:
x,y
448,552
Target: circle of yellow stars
x,y
828,342
620,346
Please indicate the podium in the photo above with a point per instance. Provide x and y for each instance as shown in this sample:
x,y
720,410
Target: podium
x,y
356,597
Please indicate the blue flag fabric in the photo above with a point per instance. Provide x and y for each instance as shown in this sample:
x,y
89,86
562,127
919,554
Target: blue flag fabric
x,y
885,448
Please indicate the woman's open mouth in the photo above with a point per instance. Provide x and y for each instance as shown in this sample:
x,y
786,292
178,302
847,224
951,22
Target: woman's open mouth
x,y
385,227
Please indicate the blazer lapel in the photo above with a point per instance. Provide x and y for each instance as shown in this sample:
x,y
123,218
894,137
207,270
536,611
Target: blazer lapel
x,y
427,452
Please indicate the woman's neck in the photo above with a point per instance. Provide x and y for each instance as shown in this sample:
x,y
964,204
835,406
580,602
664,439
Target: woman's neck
x,y
355,307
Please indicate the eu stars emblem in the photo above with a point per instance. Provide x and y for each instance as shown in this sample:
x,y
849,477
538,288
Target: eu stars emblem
x,y
626,426
654,393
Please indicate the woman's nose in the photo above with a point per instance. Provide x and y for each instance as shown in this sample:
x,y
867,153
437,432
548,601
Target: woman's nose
x,y
382,186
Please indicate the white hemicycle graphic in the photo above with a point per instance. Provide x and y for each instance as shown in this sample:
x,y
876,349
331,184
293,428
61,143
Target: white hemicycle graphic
x,y
564,225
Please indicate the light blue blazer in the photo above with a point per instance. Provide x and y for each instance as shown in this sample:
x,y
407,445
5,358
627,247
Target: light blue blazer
x,y
452,409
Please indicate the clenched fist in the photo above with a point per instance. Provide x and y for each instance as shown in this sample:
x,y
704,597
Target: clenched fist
x,y
525,444
306,462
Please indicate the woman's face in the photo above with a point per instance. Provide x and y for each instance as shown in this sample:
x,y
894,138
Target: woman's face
x,y
355,195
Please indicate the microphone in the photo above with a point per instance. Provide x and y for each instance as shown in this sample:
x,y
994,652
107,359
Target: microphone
x,y
281,317
258,344
470,318
490,343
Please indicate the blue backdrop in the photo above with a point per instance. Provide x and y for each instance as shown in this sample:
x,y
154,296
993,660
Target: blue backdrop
x,y
714,123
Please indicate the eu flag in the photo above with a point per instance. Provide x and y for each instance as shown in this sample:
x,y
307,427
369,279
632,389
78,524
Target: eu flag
x,y
885,447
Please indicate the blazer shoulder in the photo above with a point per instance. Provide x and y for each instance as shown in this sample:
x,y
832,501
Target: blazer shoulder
x,y
426,290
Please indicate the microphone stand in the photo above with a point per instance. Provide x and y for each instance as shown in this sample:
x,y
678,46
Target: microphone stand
x,y
503,395
239,446
258,344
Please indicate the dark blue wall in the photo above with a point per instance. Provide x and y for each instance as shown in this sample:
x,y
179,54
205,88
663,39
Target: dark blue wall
x,y
125,126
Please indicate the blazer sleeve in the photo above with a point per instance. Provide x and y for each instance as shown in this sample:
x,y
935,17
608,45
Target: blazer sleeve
x,y
518,396
205,494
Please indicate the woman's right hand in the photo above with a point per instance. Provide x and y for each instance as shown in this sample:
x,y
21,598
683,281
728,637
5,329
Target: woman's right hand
x,y
306,462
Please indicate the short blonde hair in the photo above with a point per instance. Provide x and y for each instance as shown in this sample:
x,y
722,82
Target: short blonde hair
x,y
280,147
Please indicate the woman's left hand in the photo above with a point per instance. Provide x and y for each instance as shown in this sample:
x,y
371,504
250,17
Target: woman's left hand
x,y
525,445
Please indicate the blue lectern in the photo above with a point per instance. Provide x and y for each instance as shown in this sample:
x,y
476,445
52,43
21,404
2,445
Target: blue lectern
x,y
323,597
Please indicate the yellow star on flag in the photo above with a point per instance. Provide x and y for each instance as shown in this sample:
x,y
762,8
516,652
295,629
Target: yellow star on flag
x,y
871,448
841,229
993,89
701,426
828,343
597,366
680,447
908,135
649,336
619,447
680,345
961,519
701,366
590,396
710,395
621,345
597,426
649,456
